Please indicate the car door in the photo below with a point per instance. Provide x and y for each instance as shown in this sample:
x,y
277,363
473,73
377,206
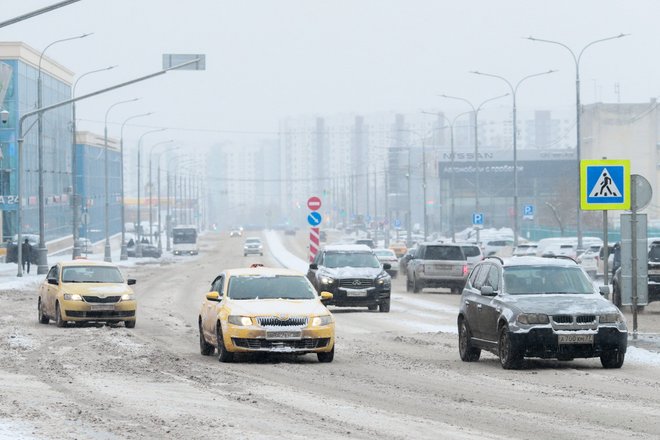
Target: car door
x,y
469,298
414,261
478,301
51,290
491,308
311,273
210,310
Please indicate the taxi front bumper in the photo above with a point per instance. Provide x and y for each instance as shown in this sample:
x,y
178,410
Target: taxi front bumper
x,y
84,311
274,339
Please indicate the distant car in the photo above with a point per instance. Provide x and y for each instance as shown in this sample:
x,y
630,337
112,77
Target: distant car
x,y
366,241
290,231
538,307
653,275
388,256
235,233
265,310
525,249
399,249
148,250
473,254
589,261
437,265
84,291
492,247
253,245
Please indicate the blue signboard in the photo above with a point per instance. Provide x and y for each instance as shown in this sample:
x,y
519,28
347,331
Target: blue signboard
x,y
605,184
397,223
478,219
314,218
528,212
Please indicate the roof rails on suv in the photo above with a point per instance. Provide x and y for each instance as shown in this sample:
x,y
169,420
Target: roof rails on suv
x,y
563,257
495,257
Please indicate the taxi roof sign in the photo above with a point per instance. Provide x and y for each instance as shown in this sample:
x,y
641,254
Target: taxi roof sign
x,y
605,185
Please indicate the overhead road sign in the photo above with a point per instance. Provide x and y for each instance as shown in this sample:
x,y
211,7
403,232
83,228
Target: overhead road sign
x,y
174,59
605,184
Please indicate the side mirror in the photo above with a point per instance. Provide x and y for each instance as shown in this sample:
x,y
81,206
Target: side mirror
x,y
313,266
487,291
213,296
53,281
387,266
604,291
326,296
131,281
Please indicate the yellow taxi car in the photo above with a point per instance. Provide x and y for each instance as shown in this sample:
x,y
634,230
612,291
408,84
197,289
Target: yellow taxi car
x,y
261,309
86,291
399,249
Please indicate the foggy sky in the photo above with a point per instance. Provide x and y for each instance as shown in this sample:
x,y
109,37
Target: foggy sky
x,y
268,59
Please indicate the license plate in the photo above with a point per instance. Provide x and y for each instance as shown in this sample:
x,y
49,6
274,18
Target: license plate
x,y
288,334
576,339
356,292
103,307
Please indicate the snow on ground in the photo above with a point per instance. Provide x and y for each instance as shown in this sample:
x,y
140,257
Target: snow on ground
x,y
282,255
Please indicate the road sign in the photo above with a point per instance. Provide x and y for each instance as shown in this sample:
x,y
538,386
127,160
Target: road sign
x,y
397,223
605,184
314,203
528,212
478,219
314,218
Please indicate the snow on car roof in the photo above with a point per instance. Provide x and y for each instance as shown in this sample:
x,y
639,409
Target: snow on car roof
x,y
538,261
347,248
261,271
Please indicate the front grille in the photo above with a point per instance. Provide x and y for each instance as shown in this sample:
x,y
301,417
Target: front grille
x,y
100,299
100,314
275,321
356,283
563,319
263,344
585,319
578,320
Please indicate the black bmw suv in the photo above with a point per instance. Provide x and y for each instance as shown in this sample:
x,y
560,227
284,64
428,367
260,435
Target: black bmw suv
x,y
354,276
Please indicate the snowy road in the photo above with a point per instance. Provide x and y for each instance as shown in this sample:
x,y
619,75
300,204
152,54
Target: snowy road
x,y
395,376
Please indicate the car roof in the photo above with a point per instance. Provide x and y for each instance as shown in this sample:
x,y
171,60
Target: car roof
x,y
347,248
383,250
84,262
265,271
435,243
253,238
539,261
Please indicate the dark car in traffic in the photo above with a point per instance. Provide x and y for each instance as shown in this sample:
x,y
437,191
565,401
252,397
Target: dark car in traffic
x,y
534,307
148,250
354,276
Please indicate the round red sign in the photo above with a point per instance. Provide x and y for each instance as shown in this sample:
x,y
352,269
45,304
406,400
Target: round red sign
x,y
314,203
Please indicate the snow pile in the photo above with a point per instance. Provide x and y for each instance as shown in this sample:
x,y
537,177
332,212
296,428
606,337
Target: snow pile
x,y
282,255
641,356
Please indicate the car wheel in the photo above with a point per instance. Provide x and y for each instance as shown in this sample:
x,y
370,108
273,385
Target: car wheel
x,y
373,307
417,286
58,316
467,351
224,356
205,348
327,356
510,357
612,359
384,306
130,324
43,318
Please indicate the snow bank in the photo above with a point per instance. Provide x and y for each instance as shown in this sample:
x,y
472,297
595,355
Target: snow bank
x,y
282,255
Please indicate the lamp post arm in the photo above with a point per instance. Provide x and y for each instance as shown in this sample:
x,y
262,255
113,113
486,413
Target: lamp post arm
x,y
558,43
59,41
36,12
531,76
73,90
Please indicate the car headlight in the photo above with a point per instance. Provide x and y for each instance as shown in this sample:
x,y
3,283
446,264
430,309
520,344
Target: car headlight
x,y
533,318
383,279
72,297
327,280
127,297
239,320
611,318
321,320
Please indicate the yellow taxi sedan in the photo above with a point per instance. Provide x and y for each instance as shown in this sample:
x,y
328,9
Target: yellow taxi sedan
x,y
265,310
86,291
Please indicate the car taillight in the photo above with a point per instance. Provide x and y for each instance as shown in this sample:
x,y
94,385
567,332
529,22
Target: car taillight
x,y
465,269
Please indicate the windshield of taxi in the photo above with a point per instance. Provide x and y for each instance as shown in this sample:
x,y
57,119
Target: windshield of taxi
x,y
91,274
532,280
350,259
270,287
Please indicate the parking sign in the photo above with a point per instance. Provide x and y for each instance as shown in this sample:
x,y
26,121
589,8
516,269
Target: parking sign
x,y
478,219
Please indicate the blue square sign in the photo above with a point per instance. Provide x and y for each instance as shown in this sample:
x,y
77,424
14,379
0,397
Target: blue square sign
x,y
605,184
478,218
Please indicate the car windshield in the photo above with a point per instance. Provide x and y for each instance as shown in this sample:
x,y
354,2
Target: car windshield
x,y
184,236
384,253
270,287
350,259
253,241
444,253
545,279
91,274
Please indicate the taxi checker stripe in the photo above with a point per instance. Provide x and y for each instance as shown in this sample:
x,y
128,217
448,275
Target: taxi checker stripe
x,y
313,243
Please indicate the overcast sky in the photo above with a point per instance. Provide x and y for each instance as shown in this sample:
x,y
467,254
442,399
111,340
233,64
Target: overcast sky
x,y
267,59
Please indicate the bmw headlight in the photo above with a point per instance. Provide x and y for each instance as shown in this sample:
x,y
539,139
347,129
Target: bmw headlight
x,y
533,318
239,320
611,318
127,297
72,297
321,320
327,280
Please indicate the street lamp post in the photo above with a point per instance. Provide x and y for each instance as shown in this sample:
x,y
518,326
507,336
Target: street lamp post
x,y
138,244
475,111
42,257
160,246
108,251
124,252
168,219
151,229
576,59
75,197
514,90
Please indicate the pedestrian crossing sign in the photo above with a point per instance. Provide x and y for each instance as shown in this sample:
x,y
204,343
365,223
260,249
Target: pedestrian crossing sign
x,y
605,184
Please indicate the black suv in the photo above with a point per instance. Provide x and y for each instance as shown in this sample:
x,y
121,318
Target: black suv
x,y
353,275
653,273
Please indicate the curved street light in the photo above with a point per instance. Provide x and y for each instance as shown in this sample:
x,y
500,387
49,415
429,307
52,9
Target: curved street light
x,y
108,251
124,252
151,228
168,216
42,253
514,91
138,245
576,59
74,166
160,226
